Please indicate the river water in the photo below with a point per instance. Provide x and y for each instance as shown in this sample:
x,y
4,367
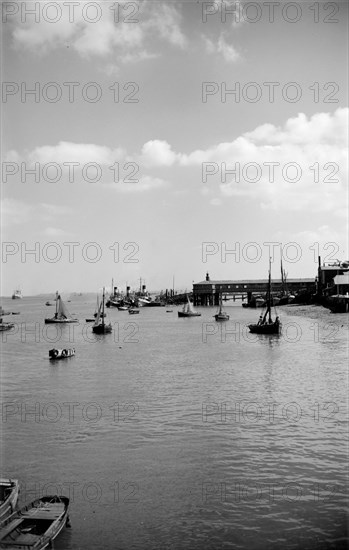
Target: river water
x,y
181,433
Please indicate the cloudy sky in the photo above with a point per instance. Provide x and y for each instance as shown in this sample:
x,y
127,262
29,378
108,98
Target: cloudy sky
x,y
152,139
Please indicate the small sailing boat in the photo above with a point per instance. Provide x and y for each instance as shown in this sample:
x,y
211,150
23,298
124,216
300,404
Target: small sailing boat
x,y
221,315
100,327
97,309
265,324
62,314
188,310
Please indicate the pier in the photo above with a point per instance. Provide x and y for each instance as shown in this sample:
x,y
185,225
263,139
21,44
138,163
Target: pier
x,y
208,293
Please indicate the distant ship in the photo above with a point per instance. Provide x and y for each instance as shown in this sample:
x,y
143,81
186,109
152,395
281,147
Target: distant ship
x,y
17,294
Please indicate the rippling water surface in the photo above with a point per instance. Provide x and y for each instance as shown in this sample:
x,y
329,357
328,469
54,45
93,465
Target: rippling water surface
x,y
182,433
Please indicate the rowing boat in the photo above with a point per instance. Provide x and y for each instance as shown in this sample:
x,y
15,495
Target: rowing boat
x,y
9,489
36,525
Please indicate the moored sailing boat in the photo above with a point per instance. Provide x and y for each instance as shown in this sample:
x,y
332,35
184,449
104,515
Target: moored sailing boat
x,y
188,310
97,309
221,315
100,326
265,324
62,314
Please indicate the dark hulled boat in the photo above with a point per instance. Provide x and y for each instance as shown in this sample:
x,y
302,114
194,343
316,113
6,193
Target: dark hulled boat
x,y
221,315
100,326
266,325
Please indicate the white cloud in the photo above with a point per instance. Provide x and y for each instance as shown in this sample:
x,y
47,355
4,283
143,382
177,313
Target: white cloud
x,y
317,144
157,153
124,34
228,52
75,152
299,166
165,20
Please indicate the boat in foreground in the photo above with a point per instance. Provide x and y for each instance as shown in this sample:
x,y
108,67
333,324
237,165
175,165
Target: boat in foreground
x,y
9,490
100,326
61,353
133,310
221,315
5,326
188,310
265,324
62,314
36,525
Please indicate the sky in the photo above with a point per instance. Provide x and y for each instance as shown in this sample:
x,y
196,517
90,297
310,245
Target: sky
x,y
162,140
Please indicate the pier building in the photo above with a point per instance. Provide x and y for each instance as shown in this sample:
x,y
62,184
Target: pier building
x,y
208,292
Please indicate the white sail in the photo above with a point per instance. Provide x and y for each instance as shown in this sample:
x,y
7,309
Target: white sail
x,y
62,312
190,308
96,323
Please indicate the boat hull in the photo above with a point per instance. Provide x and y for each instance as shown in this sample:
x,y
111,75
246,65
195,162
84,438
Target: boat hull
x,y
9,491
102,329
266,328
220,317
188,314
143,302
36,525
60,321
337,304
6,326
61,353
112,303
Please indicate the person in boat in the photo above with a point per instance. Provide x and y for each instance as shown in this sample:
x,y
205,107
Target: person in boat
x,y
277,320
260,320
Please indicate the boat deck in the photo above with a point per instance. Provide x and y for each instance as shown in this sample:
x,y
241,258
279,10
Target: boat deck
x,y
37,518
51,511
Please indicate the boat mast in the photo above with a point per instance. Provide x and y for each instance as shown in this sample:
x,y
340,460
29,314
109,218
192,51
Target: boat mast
x,y
56,304
103,309
269,292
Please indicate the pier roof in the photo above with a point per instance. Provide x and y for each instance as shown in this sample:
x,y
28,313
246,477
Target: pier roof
x,y
251,281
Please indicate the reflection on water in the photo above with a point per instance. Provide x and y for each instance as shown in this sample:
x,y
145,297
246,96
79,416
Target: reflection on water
x,y
176,433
